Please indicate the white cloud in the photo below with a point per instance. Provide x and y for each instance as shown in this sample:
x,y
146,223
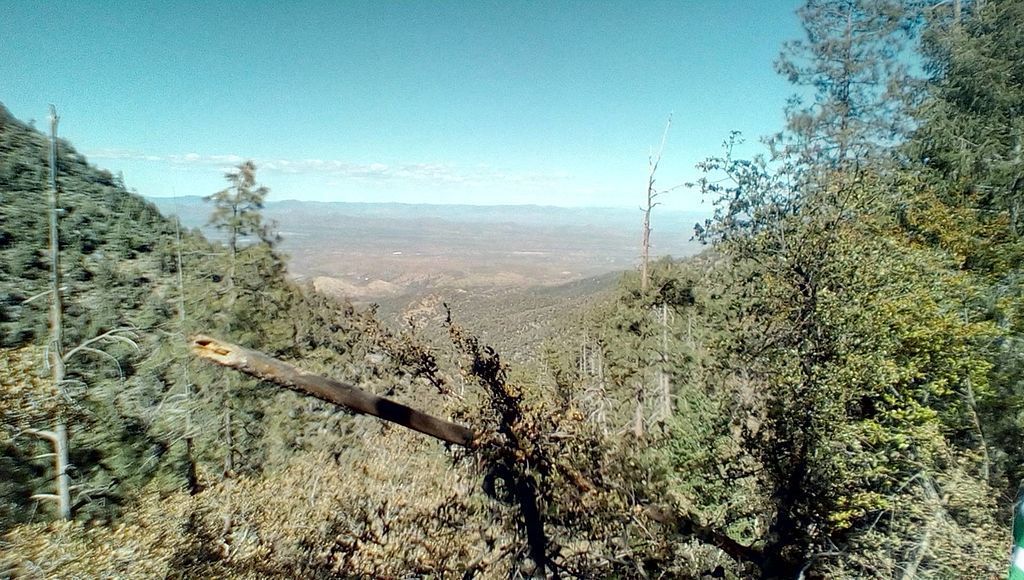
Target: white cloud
x,y
341,171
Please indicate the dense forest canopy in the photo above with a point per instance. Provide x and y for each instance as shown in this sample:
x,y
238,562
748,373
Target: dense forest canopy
x,y
833,388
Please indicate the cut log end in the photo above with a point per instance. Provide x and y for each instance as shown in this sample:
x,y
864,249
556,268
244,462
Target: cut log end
x,y
210,348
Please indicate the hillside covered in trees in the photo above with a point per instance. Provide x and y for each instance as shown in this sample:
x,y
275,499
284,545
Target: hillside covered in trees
x,y
832,388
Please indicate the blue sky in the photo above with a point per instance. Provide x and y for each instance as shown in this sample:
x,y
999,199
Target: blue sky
x,y
553,103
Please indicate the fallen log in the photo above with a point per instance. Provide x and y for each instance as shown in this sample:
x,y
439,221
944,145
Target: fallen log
x,y
270,369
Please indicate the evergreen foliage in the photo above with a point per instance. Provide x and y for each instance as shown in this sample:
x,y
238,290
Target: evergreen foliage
x,y
832,389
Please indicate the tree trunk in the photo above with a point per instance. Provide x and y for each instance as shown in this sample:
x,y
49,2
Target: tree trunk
x,y
57,368
229,442
646,238
663,381
652,194
58,438
972,409
638,412
191,472
784,547
922,548
281,373
63,480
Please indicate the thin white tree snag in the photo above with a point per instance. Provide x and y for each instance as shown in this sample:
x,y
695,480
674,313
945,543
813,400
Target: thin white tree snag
x,y
57,368
269,369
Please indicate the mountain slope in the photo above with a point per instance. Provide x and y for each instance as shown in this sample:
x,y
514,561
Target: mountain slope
x,y
109,238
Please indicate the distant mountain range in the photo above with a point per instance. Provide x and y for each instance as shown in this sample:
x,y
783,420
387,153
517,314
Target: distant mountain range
x,y
381,250
193,212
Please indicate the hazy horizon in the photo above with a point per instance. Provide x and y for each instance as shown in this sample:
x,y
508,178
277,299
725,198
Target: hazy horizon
x,y
658,211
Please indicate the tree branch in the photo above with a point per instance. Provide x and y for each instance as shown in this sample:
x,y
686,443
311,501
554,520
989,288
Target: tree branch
x,y
720,540
49,435
110,334
267,368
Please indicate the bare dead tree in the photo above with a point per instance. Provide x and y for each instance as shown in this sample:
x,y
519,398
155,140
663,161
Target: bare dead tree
x,y
59,436
192,474
653,161
651,201
57,357
664,384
